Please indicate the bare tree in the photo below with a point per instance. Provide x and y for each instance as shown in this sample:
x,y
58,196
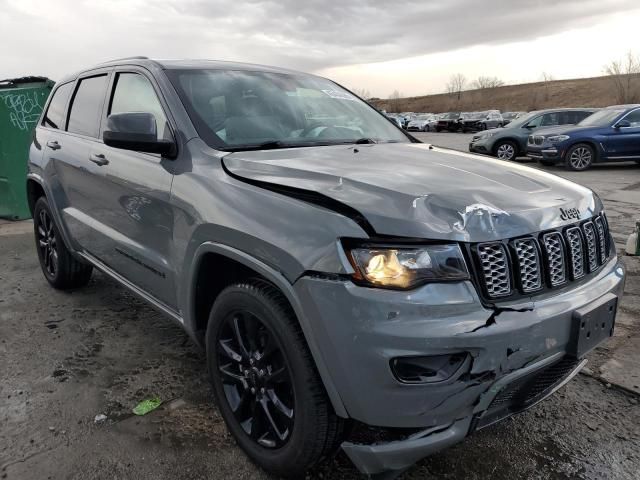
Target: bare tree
x,y
487,82
624,78
362,93
395,103
546,77
456,85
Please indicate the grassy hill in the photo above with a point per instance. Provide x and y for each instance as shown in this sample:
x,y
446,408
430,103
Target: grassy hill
x,y
581,92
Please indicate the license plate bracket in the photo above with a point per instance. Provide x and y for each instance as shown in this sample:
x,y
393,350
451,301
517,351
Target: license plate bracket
x,y
592,324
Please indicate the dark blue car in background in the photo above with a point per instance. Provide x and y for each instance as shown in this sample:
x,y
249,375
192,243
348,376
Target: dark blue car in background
x,y
611,134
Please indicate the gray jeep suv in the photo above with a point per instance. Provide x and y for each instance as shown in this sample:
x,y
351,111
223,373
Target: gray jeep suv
x,y
351,286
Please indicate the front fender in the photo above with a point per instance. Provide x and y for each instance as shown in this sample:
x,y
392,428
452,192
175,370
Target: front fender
x,y
283,284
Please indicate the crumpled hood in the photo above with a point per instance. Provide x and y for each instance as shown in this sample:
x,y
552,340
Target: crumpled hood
x,y
417,191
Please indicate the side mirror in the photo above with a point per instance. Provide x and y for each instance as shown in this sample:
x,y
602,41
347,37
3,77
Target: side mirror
x,y
622,124
136,131
529,127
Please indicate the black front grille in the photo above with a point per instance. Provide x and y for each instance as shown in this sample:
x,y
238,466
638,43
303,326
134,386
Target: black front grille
x,y
547,260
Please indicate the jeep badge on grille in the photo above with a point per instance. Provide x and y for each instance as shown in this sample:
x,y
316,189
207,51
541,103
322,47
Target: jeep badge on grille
x,y
569,213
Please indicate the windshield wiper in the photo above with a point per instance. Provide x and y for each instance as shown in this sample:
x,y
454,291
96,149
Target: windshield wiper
x,y
274,144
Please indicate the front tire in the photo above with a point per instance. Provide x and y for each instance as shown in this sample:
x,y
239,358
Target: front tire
x,y
59,266
506,150
265,381
579,157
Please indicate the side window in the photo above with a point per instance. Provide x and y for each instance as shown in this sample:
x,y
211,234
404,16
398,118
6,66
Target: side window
x,y
134,93
582,115
566,118
86,106
634,118
54,118
535,123
550,119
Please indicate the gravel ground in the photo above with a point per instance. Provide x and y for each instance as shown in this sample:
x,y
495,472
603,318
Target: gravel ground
x,y
67,357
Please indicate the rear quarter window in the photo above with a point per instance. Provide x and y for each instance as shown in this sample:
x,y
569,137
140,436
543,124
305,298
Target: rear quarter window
x,y
54,117
86,106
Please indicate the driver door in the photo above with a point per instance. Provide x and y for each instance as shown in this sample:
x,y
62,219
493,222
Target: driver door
x,y
135,211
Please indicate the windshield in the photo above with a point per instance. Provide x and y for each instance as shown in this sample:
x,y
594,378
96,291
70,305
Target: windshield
x,y
236,110
602,118
525,118
475,116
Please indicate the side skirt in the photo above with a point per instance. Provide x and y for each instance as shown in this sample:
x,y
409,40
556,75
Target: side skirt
x,y
150,299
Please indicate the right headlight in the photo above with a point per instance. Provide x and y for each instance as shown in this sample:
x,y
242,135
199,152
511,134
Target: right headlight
x,y
557,138
405,267
485,136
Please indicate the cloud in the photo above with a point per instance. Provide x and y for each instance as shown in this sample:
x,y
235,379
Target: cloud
x,y
53,37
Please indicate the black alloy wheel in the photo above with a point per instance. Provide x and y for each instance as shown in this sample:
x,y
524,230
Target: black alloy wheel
x,y
265,382
61,269
47,242
256,379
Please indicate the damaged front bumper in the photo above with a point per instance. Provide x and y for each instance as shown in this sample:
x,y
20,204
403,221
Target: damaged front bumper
x,y
396,456
359,334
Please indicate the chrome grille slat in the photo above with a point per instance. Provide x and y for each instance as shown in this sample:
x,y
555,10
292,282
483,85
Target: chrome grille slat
x,y
495,269
576,251
528,264
554,250
602,239
592,250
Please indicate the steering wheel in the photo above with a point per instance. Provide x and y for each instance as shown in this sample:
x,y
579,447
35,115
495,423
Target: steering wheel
x,y
305,133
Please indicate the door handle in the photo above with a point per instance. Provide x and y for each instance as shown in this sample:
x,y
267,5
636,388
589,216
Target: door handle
x,y
99,159
53,145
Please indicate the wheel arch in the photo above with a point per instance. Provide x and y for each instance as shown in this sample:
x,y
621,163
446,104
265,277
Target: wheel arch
x,y
513,140
592,143
207,258
36,188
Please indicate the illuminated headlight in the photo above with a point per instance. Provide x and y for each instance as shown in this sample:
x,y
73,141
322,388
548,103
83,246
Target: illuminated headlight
x,y
407,267
557,138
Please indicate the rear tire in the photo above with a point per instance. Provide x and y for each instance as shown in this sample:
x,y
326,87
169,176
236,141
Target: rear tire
x,y
506,150
253,329
579,157
59,266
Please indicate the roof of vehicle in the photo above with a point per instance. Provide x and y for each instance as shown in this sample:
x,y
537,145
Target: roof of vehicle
x,y
627,106
574,109
184,65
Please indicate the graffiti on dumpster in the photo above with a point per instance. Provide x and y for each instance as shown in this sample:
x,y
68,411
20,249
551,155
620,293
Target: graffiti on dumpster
x,y
24,108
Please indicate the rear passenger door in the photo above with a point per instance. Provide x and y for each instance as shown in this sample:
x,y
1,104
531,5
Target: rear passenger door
x,y
68,148
135,216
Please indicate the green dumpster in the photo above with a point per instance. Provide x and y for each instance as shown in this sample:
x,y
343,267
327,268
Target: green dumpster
x,y
21,102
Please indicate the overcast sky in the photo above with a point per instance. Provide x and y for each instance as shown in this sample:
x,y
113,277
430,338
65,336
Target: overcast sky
x,y
378,45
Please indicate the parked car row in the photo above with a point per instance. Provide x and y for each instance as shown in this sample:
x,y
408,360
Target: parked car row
x,y
453,121
575,137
